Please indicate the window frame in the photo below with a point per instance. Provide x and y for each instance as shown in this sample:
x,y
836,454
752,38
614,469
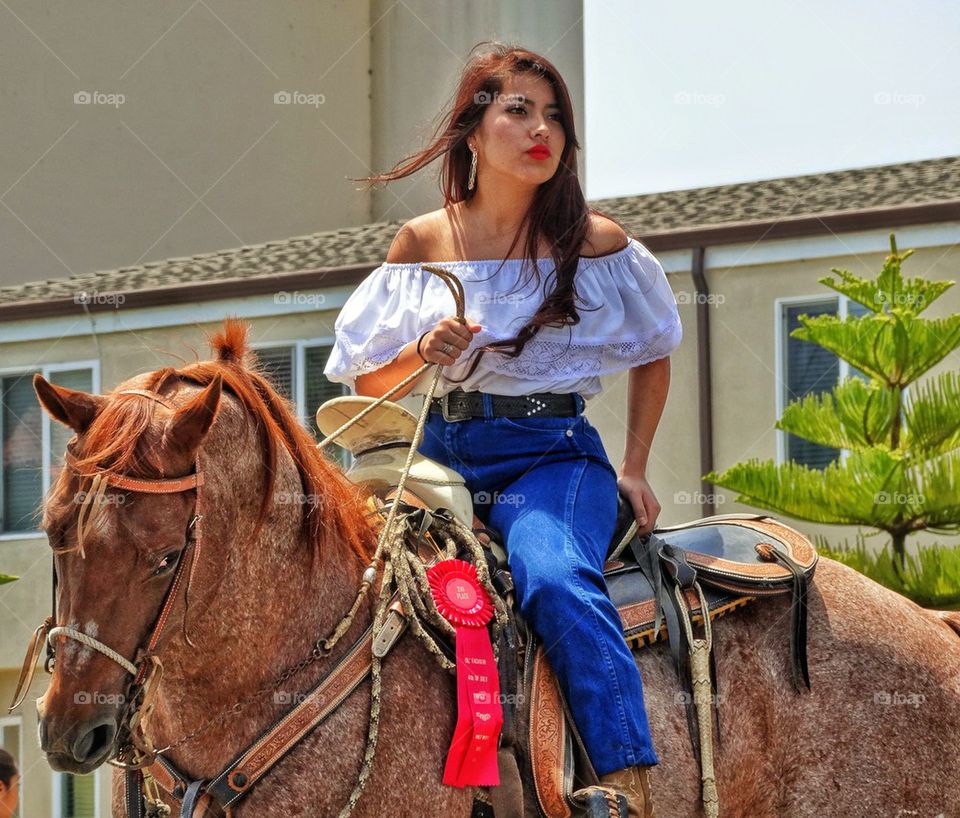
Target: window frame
x,y
781,304
46,370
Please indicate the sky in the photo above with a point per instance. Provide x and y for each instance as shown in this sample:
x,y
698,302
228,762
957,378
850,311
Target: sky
x,y
695,93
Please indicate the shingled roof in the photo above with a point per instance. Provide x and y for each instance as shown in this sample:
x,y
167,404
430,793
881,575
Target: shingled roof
x,y
883,196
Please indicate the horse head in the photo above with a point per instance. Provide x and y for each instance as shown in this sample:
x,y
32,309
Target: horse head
x,y
116,550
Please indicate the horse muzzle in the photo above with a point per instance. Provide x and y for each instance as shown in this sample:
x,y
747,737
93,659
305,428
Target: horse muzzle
x,y
78,745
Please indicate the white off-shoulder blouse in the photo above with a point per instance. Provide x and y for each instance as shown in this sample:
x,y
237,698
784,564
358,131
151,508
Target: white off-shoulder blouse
x,y
637,322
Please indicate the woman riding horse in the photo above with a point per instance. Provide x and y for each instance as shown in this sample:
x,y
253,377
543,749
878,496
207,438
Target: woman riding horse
x,y
513,424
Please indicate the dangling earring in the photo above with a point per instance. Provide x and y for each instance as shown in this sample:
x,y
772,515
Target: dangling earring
x,y
472,181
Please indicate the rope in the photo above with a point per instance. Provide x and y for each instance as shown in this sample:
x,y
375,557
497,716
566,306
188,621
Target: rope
x,y
403,567
97,645
700,676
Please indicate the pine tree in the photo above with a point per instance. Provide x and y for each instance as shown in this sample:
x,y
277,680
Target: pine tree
x,y
901,474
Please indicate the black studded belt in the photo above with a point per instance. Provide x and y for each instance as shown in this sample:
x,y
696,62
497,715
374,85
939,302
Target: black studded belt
x,y
460,405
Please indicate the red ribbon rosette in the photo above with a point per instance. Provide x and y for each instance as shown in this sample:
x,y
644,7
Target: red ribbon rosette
x,y
465,604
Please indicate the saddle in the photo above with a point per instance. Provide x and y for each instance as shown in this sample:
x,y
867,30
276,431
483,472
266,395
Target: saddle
x,y
656,582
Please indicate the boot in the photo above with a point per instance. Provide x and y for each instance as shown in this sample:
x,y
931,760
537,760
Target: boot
x,y
634,783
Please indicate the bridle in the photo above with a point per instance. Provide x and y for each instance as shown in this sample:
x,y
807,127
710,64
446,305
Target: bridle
x,y
135,747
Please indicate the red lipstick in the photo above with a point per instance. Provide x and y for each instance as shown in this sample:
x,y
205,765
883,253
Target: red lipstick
x,y
539,152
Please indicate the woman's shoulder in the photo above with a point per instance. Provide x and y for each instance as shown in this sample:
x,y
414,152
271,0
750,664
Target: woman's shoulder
x,y
419,238
604,237
412,242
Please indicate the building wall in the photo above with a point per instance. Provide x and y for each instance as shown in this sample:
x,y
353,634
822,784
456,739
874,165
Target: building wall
x,y
413,85
198,155
184,147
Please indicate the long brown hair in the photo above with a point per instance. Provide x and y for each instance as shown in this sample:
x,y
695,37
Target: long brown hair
x,y
558,213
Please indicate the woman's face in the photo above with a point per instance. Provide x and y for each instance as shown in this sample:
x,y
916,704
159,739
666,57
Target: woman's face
x,y
9,796
525,114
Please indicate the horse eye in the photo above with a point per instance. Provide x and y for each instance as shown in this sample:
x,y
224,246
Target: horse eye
x,y
167,563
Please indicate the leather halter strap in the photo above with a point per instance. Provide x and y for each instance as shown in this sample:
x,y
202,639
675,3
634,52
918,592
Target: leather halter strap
x,y
160,485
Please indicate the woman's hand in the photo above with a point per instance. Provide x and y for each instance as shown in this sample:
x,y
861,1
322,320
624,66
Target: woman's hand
x,y
645,506
447,341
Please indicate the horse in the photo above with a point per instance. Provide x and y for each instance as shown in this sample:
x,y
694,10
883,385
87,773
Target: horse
x,y
285,543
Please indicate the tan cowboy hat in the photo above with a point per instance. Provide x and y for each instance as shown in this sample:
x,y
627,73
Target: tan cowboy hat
x,y
388,423
437,485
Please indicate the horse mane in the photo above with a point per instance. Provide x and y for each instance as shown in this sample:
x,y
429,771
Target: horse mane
x,y
335,505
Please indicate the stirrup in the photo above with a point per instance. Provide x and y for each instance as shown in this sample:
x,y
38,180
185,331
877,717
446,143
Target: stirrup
x,y
601,802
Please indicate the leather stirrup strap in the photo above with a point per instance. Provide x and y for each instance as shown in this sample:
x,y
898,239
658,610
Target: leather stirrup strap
x,y
798,614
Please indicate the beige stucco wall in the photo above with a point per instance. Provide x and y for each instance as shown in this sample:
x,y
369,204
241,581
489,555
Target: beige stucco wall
x,y
36,786
410,86
183,146
198,156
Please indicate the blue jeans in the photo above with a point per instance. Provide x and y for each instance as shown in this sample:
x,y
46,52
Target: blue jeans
x,y
547,485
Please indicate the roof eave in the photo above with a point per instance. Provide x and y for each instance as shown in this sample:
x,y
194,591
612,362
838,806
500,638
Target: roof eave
x,y
732,233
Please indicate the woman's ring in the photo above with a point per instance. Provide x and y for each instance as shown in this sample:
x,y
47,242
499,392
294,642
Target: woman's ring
x,y
446,348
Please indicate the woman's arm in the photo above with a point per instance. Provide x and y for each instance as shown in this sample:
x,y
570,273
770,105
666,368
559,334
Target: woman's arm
x,y
374,384
646,396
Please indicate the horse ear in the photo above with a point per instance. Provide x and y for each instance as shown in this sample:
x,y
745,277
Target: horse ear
x,y
71,407
189,425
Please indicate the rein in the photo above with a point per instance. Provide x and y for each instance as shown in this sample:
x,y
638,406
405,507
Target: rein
x,y
136,751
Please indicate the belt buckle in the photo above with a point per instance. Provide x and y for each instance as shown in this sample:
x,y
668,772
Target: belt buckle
x,y
445,409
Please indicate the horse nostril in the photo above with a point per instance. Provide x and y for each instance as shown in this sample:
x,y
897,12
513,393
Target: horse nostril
x,y
92,743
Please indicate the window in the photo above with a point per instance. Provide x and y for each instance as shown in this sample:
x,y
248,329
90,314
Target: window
x,y
808,369
296,371
76,796
33,444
